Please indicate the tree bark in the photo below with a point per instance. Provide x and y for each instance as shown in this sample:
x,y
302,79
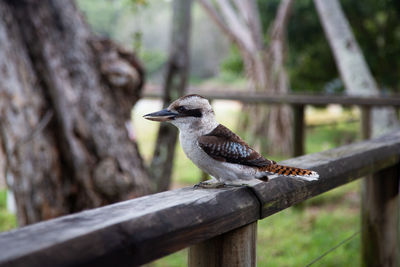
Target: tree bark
x,y
65,97
174,87
351,63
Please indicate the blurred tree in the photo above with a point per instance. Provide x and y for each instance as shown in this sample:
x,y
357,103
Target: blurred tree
x,y
264,65
106,24
64,100
310,62
177,71
376,26
358,80
311,66
351,63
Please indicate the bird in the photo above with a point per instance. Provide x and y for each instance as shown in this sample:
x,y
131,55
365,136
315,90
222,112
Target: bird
x,y
218,151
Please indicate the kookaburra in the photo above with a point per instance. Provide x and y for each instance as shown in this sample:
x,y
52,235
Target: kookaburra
x,y
217,150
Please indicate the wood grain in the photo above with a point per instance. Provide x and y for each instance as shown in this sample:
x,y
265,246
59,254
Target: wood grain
x,y
380,218
130,233
235,248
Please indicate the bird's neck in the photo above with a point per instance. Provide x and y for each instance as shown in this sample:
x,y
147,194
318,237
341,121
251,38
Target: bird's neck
x,y
198,128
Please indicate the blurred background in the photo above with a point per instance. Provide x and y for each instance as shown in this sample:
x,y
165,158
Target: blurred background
x,y
77,77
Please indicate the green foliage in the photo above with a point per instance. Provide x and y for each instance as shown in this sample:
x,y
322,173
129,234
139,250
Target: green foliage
x,y
137,4
233,64
153,60
109,18
310,60
377,29
376,25
7,220
102,15
3,199
311,66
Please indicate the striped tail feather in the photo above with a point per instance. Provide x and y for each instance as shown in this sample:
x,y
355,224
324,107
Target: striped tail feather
x,y
291,172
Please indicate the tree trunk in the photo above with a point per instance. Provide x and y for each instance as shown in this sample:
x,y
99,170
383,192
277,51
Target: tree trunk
x,y
358,80
270,127
174,87
273,122
280,117
351,63
64,99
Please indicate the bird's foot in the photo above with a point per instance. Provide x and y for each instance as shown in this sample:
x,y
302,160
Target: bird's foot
x,y
209,185
243,183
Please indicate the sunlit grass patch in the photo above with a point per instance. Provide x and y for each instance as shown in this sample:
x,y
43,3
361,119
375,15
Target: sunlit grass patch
x,y
174,260
337,129
322,138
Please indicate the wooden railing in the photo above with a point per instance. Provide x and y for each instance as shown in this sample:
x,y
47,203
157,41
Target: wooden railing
x,y
291,99
298,103
219,225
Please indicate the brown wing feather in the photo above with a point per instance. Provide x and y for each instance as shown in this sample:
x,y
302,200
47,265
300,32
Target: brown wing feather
x,y
223,145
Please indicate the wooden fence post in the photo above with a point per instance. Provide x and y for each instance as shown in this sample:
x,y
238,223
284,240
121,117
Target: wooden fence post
x,y
366,128
298,130
379,210
380,218
235,248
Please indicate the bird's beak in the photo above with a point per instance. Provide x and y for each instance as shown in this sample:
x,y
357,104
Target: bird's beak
x,y
162,115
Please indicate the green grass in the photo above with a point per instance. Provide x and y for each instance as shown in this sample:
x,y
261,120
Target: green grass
x,y
295,237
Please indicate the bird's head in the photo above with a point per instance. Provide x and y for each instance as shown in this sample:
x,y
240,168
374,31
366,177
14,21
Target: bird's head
x,y
188,113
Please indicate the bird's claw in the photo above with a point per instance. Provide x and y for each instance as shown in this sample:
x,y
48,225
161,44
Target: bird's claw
x,y
209,185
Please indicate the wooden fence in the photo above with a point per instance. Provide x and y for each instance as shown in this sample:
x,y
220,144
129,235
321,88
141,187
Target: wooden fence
x,y
298,103
219,225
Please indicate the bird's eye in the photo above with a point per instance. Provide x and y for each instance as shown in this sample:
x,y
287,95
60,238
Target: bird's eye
x,y
181,109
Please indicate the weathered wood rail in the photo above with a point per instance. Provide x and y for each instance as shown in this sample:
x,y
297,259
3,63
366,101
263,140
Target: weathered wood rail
x,y
218,224
293,99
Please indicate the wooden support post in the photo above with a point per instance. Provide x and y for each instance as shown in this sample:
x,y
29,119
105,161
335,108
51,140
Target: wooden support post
x,y
366,128
379,210
298,130
235,248
380,218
